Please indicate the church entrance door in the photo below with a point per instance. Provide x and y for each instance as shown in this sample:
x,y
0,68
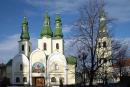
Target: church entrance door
x,y
39,81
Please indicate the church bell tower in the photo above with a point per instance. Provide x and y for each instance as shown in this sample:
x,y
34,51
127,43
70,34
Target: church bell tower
x,y
25,46
45,41
58,36
104,49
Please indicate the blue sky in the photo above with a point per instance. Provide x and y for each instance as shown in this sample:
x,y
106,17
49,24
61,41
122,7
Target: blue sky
x,y
13,11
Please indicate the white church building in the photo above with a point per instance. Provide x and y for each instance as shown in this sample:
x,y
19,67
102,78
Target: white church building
x,y
46,65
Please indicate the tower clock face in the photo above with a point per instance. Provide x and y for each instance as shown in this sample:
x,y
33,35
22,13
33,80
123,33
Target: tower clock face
x,y
38,68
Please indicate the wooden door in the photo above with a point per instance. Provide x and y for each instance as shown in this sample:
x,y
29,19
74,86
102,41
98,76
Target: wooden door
x,y
40,82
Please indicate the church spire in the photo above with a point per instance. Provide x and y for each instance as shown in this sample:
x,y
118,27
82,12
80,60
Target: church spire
x,y
25,46
25,33
58,28
46,30
102,22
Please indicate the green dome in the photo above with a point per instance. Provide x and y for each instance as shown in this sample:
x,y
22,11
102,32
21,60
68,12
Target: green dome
x,y
102,13
58,28
102,25
46,30
58,19
25,21
71,60
25,33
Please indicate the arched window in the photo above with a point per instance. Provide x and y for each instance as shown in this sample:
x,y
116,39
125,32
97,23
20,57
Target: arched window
x,y
105,60
24,79
21,67
99,45
17,79
53,79
104,44
22,47
56,67
29,48
57,46
44,46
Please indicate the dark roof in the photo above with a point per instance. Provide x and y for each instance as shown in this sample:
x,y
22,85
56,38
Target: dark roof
x,y
9,63
122,63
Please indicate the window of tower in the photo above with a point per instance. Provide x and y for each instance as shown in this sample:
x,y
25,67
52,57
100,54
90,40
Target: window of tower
x,y
29,49
100,61
53,79
22,47
17,79
99,45
21,67
44,46
24,79
104,44
57,46
105,60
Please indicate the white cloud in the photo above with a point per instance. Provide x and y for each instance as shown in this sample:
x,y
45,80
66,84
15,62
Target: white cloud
x,y
57,6
67,28
35,2
118,9
124,41
9,47
69,47
9,43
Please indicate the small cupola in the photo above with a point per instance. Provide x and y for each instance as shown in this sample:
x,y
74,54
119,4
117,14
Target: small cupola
x,y
58,28
25,33
46,29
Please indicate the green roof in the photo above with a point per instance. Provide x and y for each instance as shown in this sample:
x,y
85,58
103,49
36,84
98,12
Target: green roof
x,y
71,60
25,33
58,28
102,13
102,24
46,29
9,63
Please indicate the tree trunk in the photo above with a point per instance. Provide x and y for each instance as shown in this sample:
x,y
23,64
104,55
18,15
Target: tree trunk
x,y
91,79
92,67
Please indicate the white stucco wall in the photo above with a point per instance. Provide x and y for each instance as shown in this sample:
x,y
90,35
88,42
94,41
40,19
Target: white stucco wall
x,y
71,74
27,46
61,47
59,59
48,42
9,72
37,56
16,72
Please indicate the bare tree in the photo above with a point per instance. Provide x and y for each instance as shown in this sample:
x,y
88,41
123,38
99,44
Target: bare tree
x,y
87,33
119,58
